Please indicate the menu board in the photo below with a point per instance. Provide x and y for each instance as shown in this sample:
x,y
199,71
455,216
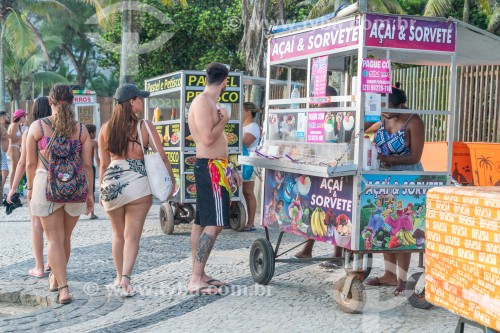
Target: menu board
x,y
174,159
169,134
190,187
188,138
189,160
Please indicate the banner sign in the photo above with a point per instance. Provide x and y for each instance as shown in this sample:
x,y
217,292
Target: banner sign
x,y
410,33
330,37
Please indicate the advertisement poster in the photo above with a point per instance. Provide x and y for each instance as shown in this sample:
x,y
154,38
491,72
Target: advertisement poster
x,y
373,107
319,73
232,130
169,134
174,159
315,128
394,218
189,160
314,207
376,76
410,33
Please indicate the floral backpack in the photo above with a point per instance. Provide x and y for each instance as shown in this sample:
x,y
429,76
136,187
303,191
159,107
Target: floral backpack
x,y
66,180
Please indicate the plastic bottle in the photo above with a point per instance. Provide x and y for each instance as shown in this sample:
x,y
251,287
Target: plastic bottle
x,y
172,114
295,94
367,153
157,114
374,161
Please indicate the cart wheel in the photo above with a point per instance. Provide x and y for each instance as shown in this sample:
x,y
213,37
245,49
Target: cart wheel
x,y
369,265
356,298
262,261
417,297
238,218
167,218
185,213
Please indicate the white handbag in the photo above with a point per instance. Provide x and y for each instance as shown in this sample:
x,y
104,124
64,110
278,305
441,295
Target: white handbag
x,y
158,175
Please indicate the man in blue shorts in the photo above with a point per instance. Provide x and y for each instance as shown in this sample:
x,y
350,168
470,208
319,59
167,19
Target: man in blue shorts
x,y
214,177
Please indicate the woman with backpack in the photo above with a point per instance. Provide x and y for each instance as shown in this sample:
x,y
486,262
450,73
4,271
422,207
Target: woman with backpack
x,y
59,163
41,109
125,192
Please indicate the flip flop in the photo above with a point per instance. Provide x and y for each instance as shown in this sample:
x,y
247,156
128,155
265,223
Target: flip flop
x,y
32,273
48,268
203,291
329,265
216,283
249,229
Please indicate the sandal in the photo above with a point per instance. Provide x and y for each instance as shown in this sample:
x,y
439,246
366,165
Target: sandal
x,y
48,268
66,300
52,289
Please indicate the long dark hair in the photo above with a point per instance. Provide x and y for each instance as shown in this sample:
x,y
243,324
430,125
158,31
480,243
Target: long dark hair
x,y
121,127
41,108
61,97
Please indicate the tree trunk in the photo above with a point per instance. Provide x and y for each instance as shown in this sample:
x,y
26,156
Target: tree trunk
x,y
466,15
130,43
2,65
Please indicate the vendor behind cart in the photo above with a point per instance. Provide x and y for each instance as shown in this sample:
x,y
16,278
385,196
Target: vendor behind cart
x,y
400,142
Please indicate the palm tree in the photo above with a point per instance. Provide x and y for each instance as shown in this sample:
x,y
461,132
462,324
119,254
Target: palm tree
x,y
489,7
104,85
323,7
130,25
20,34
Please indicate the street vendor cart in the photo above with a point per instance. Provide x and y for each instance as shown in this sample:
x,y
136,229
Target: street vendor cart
x,y
168,107
86,107
320,181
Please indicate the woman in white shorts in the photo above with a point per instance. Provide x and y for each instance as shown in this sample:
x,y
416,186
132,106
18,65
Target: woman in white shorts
x,y
58,223
124,187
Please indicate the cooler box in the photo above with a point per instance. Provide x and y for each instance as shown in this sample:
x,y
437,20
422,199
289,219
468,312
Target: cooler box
x,y
462,256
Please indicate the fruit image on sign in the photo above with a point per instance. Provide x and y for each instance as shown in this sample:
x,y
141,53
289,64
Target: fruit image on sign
x,y
309,206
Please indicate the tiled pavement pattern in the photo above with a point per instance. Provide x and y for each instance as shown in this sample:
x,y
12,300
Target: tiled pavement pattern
x,y
298,299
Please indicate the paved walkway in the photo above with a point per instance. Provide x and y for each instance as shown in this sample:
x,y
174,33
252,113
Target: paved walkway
x,y
298,299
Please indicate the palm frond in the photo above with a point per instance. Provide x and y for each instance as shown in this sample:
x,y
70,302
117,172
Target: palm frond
x,y
494,23
31,65
486,6
322,7
437,7
18,34
43,7
393,7
50,78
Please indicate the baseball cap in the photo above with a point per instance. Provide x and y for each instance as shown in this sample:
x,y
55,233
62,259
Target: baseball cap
x,y
18,114
127,91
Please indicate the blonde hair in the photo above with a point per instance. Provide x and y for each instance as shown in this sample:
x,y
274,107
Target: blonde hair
x,y
61,97
251,107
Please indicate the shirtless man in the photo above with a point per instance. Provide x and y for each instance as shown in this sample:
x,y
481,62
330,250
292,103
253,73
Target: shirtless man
x,y
206,121
15,130
4,138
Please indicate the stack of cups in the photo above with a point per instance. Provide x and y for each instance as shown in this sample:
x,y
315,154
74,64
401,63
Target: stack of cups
x,y
375,162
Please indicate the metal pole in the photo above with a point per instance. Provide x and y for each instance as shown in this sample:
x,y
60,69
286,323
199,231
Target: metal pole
x,y
452,127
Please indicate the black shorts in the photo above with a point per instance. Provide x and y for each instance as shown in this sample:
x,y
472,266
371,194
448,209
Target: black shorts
x,y
93,186
212,205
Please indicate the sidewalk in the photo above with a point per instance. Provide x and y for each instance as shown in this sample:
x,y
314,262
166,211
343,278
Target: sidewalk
x,y
298,299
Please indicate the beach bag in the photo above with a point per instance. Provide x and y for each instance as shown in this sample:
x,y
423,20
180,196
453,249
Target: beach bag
x,y
247,169
158,176
66,181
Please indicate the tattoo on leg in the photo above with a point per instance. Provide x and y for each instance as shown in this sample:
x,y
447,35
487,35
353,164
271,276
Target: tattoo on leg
x,y
204,247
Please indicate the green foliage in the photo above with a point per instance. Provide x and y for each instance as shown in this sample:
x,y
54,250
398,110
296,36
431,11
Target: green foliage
x,y
201,35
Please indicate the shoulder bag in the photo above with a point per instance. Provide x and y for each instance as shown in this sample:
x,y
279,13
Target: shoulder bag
x,y
158,175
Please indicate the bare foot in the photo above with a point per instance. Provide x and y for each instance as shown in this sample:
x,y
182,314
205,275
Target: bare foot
x,y
213,282
302,255
382,281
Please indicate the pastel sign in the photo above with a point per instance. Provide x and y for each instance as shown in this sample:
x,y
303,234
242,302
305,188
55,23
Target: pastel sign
x,y
327,38
410,33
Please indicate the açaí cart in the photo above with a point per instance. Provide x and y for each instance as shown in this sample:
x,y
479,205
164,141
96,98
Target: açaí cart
x,y
315,185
